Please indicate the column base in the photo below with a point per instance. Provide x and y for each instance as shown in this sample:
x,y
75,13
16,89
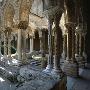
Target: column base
x,y
48,69
81,61
71,68
85,56
63,56
57,72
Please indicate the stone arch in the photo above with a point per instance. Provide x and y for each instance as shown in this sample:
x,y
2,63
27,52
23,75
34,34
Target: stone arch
x,y
36,41
9,15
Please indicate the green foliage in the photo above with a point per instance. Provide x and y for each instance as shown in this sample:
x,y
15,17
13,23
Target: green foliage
x,y
13,50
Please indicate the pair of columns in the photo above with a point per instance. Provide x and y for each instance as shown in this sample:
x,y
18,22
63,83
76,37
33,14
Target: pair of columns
x,y
80,49
54,69
7,46
70,64
21,55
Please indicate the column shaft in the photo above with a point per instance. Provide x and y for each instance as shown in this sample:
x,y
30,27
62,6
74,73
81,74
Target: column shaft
x,y
9,46
5,46
64,54
50,57
69,44
77,43
31,45
19,44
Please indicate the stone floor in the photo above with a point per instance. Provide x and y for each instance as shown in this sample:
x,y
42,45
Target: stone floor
x,y
80,83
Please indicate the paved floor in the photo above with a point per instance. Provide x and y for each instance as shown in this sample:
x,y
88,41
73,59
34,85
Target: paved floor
x,y
81,83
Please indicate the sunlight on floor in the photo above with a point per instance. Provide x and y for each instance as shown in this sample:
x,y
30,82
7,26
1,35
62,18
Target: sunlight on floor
x,y
1,79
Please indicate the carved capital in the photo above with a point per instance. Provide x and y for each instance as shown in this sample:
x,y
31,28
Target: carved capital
x,y
50,13
23,25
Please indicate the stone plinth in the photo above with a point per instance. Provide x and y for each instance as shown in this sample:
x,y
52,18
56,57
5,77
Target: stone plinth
x,y
70,68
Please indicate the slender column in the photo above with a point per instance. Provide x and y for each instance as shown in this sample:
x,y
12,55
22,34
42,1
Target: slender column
x,y
50,56
31,44
5,45
80,44
0,47
73,44
64,54
58,42
19,44
42,42
84,52
9,45
24,58
69,43
77,45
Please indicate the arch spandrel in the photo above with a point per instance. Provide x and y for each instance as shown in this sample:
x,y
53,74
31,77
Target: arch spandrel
x,y
25,9
8,15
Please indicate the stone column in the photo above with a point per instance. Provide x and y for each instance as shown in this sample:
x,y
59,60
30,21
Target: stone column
x,y
50,56
84,50
69,43
31,44
80,44
19,44
58,42
70,65
9,45
77,45
42,42
24,58
5,45
81,59
0,47
64,54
